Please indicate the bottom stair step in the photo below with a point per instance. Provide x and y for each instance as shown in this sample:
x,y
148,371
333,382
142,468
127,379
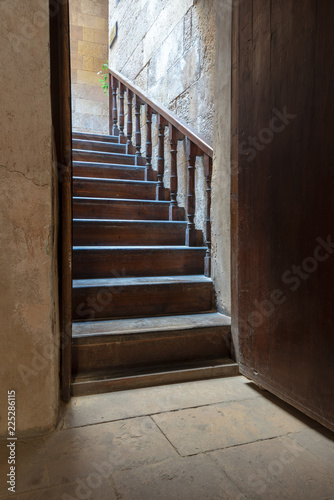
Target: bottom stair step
x,y
134,343
157,375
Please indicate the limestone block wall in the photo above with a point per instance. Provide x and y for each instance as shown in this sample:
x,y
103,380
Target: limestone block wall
x,y
89,50
28,274
167,47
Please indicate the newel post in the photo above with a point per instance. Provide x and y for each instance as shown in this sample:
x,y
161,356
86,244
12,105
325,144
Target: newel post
x,y
208,177
114,85
110,105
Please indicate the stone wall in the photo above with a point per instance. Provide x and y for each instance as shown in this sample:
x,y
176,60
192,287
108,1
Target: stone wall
x,y
89,51
167,48
29,285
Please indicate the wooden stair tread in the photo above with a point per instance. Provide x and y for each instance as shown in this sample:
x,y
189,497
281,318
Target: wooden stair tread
x,y
140,249
140,281
95,137
122,208
151,223
106,179
104,157
98,187
85,330
106,261
85,143
121,200
117,232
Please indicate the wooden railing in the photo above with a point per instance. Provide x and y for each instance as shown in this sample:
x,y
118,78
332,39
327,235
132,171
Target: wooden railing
x,y
197,145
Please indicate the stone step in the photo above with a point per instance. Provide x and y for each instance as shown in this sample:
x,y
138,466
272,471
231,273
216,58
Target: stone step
x,y
110,381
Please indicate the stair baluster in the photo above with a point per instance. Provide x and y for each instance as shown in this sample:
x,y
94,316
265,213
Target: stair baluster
x,y
138,130
121,110
173,170
162,123
148,169
178,130
129,145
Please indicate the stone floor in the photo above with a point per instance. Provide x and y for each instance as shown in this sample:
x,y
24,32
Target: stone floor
x,y
217,439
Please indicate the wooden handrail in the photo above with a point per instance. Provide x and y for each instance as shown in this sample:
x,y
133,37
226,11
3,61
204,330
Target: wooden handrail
x,y
197,146
198,139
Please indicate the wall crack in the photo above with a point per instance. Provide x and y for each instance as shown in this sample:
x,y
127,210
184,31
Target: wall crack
x,y
27,178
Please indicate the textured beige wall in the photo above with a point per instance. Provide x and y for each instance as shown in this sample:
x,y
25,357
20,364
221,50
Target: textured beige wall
x,y
28,292
167,47
221,181
89,51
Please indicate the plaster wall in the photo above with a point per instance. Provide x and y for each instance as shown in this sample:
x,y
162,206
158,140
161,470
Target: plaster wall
x,y
89,51
221,180
28,293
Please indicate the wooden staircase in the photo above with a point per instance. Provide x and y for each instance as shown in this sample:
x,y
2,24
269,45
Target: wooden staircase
x,y
144,312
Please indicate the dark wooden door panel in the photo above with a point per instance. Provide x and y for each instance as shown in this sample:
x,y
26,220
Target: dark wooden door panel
x,y
283,199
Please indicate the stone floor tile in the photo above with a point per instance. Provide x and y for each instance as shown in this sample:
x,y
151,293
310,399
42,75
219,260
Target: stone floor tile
x,y
125,404
318,441
277,469
220,426
94,489
190,478
75,453
31,469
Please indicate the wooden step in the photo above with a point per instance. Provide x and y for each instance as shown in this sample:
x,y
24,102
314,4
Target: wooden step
x,y
139,297
111,208
106,262
95,137
159,375
108,171
130,343
100,146
114,188
96,156
106,232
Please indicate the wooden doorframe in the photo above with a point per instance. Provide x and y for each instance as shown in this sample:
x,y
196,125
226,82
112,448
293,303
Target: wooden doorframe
x,y
234,179
62,127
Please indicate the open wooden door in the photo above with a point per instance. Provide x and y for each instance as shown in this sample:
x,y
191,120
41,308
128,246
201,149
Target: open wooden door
x,y
283,199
